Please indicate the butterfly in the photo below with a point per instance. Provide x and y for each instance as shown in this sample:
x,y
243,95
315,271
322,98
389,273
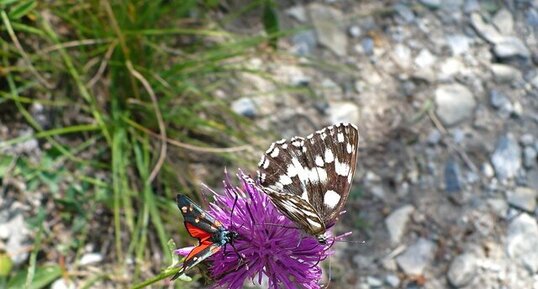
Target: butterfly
x,y
309,179
211,234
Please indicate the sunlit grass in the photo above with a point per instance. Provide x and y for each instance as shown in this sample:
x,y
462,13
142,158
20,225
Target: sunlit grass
x,y
131,87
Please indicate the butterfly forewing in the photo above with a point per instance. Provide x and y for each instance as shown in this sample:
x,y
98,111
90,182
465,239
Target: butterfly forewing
x,y
318,169
196,216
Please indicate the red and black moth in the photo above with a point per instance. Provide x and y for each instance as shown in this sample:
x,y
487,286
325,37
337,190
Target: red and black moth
x,y
211,234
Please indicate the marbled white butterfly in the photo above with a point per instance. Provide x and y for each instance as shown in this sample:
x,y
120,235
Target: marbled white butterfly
x,y
309,179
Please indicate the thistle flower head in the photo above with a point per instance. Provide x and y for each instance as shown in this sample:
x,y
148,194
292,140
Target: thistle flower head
x,y
269,246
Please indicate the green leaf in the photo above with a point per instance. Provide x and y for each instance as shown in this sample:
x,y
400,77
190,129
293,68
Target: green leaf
x,y
7,2
43,276
6,163
270,23
22,9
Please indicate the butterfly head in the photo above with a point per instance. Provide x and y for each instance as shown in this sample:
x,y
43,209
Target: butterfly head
x,y
225,237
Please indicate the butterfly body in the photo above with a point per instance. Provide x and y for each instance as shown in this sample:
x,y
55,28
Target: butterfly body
x,y
309,179
211,234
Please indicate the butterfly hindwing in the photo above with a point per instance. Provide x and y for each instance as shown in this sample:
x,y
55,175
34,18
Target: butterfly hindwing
x,y
205,228
317,169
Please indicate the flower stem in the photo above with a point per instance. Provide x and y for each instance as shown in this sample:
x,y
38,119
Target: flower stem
x,y
165,274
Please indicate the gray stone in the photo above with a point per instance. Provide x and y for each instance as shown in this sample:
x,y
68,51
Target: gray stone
x,y
510,47
471,6
454,103
503,21
416,257
532,17
354,31
245,106
397,221
367,45
527,139
505,73
507,157
462,270
499,207
425,59
458,43
486,31
522,241
374,282
450,68
434,137
326,22
487,170
522,198
392,280
501,102
63,283
402,55
452,177
90,258
343,112
298,12
405,13
434,4
529,157
17,234
304,42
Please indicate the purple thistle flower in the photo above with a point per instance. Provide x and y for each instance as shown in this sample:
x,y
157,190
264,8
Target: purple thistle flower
x,y
269,244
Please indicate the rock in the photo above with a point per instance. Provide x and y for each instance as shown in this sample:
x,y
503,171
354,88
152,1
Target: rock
x,y
462,270
529,157
532,17
499,207
14,230
510,47
404,12
434,137
402,55
458,43
325,20
374,282
392,280
450,68
354,31
507,157
503,21
298,12
416,257
484,30
522,198
452,177
505,73
425,59
90,258
245,106
343,112
397,221
454,103
367,45
487,170
62,283
471,6
527,139
501,102
522,241
304,42
433,4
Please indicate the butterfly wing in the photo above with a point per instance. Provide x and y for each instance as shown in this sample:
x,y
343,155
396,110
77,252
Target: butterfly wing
x,y
197,217
198,254
201,226
319,170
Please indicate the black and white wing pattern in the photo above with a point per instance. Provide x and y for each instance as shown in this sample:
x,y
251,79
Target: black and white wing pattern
x,y
309,179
